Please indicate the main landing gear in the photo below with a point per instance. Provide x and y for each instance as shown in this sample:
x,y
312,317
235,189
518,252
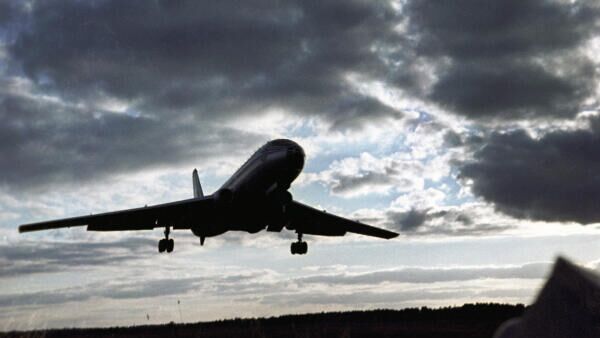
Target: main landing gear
x,y
166,244
300,248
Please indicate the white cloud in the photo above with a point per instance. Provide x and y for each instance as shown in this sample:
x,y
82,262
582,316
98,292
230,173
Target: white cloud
x,y
366,174
419,199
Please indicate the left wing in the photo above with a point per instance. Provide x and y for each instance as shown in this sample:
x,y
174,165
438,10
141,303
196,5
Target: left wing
x,y
308,220
179,215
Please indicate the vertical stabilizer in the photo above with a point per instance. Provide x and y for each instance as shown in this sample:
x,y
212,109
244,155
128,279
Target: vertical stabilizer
x,y
197,187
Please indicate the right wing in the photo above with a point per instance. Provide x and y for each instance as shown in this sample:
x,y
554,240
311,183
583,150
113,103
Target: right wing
x,y
179,215
308,220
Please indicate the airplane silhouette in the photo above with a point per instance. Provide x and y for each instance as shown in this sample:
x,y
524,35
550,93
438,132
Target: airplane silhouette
x,y
254,198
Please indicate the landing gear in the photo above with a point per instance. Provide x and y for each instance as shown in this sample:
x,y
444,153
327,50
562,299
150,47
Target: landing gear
x,y
300,248
166,244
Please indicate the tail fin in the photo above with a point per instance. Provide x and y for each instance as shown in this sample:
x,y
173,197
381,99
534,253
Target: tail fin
x,y
197,187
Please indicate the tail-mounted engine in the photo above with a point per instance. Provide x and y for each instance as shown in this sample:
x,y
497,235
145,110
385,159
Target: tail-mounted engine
x,y
223,198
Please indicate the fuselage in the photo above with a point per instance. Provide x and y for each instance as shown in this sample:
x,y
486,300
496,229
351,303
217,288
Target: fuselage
x,y
258,189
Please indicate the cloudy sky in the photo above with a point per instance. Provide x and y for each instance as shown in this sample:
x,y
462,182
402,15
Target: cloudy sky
x,y
472,128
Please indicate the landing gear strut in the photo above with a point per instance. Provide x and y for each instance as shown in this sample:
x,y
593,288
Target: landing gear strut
x,y
166,244
300,247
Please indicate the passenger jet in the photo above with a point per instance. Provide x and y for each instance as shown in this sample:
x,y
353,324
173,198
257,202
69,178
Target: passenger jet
x,y
255,198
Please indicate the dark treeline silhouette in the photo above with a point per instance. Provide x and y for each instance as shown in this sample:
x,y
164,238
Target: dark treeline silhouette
x,y
469,320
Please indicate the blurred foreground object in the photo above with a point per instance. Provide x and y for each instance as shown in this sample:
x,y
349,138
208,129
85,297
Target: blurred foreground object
x,y
567,306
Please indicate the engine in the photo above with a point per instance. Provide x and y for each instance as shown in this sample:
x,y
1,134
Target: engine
x,y
223,198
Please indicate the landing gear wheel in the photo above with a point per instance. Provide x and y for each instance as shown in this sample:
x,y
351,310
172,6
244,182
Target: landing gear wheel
x,y
300,247
303,248
296,248
162,245
166,244
293,249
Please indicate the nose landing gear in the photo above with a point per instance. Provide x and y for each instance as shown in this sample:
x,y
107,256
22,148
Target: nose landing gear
x,y
166,244
300,247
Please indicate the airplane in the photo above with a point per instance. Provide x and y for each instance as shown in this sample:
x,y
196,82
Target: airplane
x,y
255,198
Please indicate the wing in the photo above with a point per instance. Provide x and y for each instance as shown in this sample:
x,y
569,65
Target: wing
x,y
179,215
308,220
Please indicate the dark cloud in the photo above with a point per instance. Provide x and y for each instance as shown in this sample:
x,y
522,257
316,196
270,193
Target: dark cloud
x,y
132,288
507,59
513,90
352,112
127,290
343,183
6,12
182,70
42,298
44,142
431,275
409,220
552,178
151,288
34,257
466,29
209,59
452,139
439,221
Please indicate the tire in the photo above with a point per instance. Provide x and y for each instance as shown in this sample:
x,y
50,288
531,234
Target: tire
x,y
162,245
170,245
294,249
303,248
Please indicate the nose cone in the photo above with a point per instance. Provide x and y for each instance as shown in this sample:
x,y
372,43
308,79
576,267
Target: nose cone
x,y
295,155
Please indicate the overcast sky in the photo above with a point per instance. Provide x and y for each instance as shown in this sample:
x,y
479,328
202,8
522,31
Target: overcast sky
x,y
472,128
